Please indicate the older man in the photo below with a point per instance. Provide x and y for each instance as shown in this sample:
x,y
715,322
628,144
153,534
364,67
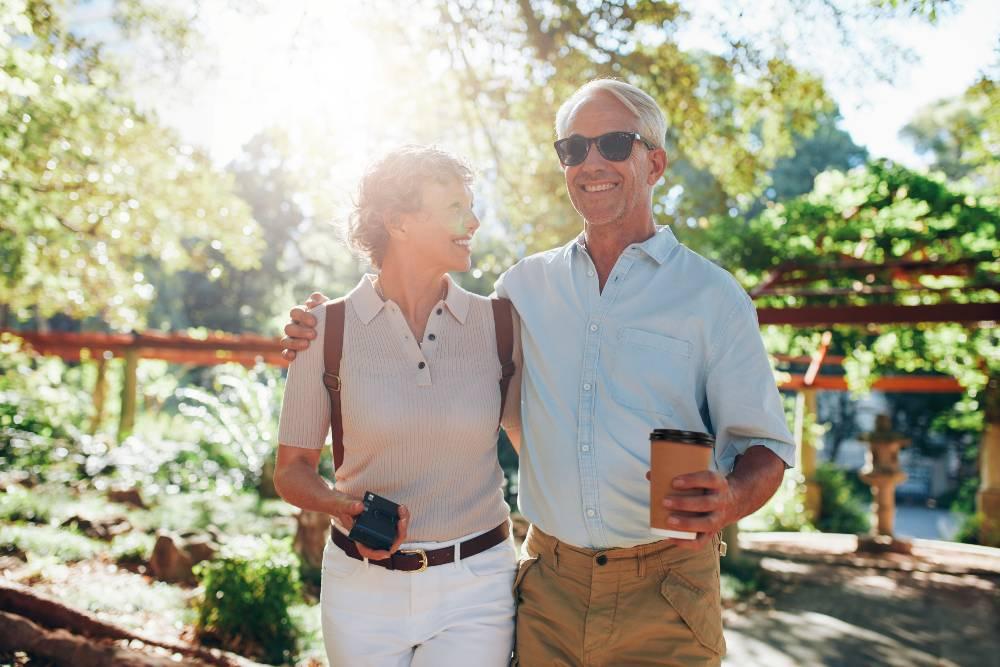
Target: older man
x,y
624,330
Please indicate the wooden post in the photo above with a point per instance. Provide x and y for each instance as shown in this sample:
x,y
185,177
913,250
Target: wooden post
x,y
805,452
805,419
129,390
100,393
988,497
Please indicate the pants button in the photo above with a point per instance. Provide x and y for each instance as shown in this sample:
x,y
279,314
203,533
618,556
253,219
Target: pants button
x,y
602,559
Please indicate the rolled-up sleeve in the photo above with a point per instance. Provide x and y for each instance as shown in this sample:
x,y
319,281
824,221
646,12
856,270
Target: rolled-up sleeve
x,y
743,399
305,408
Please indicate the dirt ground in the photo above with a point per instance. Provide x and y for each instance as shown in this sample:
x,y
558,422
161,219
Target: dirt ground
x,y
829,606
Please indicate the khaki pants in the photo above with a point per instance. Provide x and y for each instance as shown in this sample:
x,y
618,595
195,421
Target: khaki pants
x,y
648,605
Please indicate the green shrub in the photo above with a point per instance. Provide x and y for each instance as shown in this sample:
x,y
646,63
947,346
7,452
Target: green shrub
x,y
970,532
843,503
785,511
249,589
132,547
236,416
739,577
60,543
20,504
963,498
42,395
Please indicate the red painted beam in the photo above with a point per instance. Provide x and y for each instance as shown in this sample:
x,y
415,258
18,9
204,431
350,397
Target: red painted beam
x,y
901,384
881,314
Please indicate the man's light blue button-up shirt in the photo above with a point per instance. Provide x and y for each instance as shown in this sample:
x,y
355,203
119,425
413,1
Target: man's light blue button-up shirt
x,y
671,342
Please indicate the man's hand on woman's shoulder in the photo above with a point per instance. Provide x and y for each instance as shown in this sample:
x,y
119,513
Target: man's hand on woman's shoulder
x,y
301,327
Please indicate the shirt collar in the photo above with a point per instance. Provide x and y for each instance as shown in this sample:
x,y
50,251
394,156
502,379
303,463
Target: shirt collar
x,y
367,303
458,300
657,246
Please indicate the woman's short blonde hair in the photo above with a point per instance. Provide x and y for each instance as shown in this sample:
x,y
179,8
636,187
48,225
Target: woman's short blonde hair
x,y
392,185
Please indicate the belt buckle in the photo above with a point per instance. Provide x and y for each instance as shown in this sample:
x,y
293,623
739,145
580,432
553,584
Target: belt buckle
x,y
423,557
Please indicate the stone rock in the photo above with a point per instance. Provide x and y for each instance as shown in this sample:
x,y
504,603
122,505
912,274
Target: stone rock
x,y
13,551
173,557
16,478
99,529
311,533
201,548
129,496
10,563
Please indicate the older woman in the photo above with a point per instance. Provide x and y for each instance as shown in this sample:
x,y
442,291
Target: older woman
x,y
420,399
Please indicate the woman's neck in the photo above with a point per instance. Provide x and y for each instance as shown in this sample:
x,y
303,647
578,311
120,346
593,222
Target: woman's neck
x,y
415,292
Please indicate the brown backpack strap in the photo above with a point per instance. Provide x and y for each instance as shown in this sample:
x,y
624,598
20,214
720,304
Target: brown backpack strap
x,y
333,349
503,322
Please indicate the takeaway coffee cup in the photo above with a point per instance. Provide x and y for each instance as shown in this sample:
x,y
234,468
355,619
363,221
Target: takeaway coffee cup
x,y
674,453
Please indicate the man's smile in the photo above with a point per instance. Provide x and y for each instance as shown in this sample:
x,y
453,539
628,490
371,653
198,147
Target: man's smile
x,y
598,187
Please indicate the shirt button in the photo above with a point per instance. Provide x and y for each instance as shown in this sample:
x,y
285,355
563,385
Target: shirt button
x,y
431,336
602,560
591,512
586,386
421,365
590,272
593,327
586,448
439,311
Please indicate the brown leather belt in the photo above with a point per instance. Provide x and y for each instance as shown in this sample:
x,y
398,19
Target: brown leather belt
x,y
418,560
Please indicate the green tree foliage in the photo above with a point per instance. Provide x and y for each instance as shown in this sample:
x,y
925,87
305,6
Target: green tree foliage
x,y
962,135
90,187
827,148
876,214
229,298
732,114
881,214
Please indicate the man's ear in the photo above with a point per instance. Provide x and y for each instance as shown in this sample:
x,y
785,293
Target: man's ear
x,y
657,165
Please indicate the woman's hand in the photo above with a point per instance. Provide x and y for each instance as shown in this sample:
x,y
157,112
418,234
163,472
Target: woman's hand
x,y
344,508
401,526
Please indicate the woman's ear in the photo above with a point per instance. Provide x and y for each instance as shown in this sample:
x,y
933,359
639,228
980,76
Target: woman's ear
x,y
396,226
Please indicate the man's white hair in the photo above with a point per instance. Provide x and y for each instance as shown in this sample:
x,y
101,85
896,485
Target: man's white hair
x,y
652,123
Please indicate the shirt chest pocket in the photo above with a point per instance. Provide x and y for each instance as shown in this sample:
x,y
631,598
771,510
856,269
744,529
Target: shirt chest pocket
x,y
650,372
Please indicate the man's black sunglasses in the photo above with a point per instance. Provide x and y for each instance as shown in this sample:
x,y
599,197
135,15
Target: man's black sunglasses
x,y
614,146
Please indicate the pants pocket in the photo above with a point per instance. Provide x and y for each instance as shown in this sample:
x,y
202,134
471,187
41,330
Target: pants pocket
x,y
500,559
700,610
522,569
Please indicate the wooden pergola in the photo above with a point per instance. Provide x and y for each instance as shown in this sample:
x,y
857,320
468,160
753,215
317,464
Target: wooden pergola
x,y
178,348
865,303
868,296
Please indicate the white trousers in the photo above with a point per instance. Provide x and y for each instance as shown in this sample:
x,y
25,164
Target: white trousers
x,y
457,614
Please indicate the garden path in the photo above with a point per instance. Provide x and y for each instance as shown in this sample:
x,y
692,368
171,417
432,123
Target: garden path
x,y
828,606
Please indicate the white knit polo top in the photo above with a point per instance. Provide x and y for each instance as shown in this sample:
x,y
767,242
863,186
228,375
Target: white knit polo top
x,y
420,420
